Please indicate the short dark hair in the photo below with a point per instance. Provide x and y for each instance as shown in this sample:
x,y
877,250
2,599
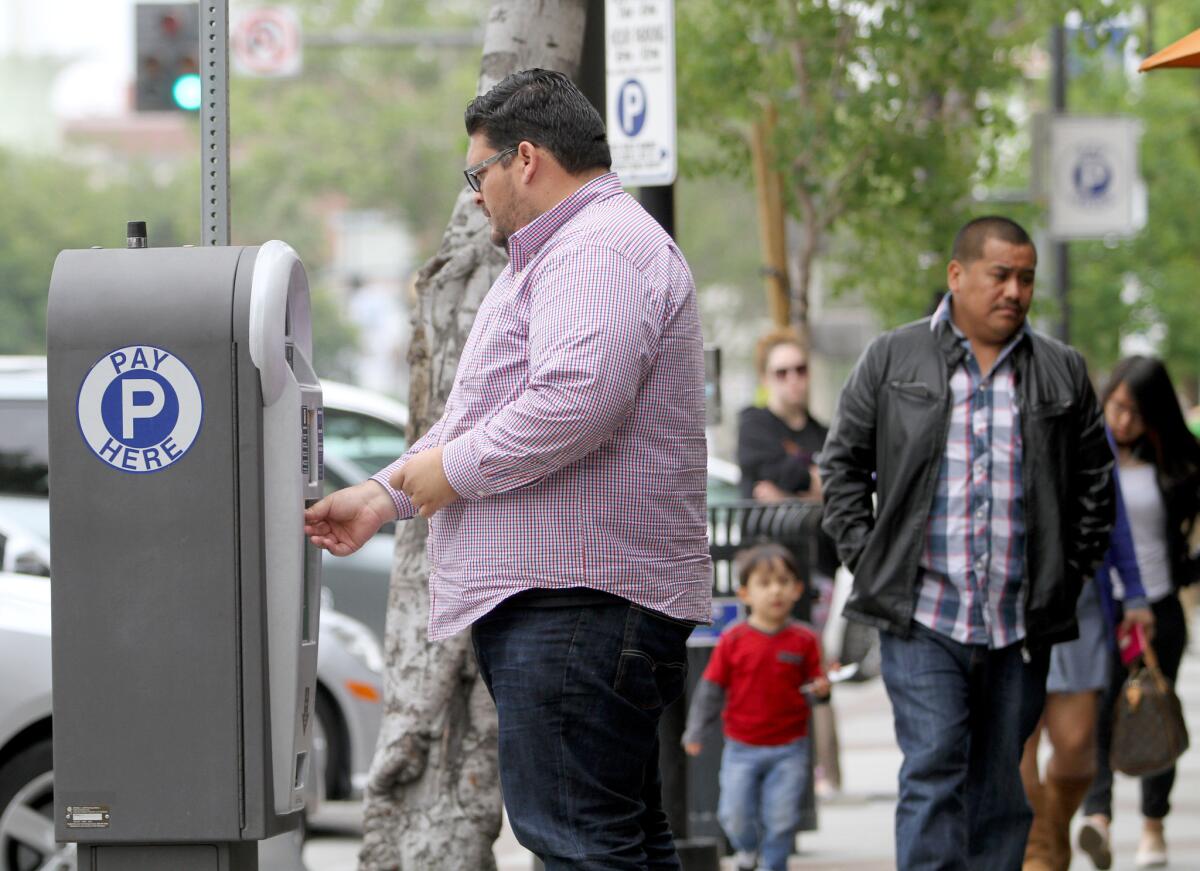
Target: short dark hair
x,y
547,109
748,560
969,241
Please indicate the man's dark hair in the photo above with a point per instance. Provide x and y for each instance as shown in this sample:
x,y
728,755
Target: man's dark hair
x,y
545,108
968,244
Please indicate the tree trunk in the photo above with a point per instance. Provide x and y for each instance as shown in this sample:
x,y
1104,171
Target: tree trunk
x,y
433,797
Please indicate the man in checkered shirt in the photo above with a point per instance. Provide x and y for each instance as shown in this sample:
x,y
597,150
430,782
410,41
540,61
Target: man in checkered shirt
x,y
967,483
565,482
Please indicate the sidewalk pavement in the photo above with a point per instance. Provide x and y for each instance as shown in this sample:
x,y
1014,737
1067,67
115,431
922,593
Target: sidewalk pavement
x,y
856,831
856,828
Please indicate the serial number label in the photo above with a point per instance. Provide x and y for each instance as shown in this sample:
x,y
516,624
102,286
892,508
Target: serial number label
x,y
87,816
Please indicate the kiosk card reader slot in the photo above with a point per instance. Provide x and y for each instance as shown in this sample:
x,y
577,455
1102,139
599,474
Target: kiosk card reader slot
x,y
186,597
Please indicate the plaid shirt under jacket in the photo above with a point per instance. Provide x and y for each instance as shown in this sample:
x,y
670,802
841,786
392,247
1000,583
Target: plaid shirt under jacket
x,y
574,432
971,582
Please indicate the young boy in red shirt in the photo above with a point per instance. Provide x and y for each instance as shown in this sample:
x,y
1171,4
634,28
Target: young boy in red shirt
x,y
759,673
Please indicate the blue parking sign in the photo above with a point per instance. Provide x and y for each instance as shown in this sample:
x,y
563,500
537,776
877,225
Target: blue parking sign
x,y
139,409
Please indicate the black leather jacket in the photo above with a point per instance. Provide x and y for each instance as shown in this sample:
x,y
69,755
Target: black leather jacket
x,y
888,437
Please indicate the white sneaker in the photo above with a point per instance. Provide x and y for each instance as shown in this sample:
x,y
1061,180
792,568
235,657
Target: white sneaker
x,y
745,861
1151,851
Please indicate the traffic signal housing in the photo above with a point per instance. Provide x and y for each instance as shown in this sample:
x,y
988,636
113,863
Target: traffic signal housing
x,y
168,51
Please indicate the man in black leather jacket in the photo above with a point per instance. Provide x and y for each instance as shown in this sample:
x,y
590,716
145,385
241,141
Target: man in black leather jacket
x,y
983,446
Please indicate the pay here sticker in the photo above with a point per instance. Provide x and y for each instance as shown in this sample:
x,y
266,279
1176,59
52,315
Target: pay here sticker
x,y
139,409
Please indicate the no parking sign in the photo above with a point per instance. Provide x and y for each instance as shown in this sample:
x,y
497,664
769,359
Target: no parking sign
x,y
266,42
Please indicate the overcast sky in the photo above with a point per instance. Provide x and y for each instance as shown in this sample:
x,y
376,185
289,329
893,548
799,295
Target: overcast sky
x,y
94,38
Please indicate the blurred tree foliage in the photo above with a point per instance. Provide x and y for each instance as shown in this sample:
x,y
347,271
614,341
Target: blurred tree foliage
x,y
360,128
365,127
50,205
890,115
1145,286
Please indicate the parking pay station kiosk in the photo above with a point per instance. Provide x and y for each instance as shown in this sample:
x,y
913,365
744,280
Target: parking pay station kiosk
x,y
185,442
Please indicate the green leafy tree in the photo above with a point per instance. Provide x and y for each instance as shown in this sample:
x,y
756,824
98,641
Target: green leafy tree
x,y
1148,284
889,114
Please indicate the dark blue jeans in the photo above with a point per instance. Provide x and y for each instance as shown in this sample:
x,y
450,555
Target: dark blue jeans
x,y
579,691
962,715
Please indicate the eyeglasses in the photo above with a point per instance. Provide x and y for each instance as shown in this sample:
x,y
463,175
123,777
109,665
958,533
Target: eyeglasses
x,y
800,369
1116,406
472,172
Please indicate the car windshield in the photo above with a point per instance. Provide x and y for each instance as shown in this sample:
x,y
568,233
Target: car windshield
x,y
24,438
368,442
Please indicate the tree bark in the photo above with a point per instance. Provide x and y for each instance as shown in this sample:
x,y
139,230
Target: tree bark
x,y
433,796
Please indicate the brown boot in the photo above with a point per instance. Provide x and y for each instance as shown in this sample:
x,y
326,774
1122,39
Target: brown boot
x,y
1038,849
1061,797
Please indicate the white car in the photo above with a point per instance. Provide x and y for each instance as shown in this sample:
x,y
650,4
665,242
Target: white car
x,y
26,776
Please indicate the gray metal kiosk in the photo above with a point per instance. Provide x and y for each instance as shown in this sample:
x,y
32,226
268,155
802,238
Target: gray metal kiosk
x,y
185,442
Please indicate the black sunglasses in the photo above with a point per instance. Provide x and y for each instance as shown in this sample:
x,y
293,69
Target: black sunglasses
x,y
798,369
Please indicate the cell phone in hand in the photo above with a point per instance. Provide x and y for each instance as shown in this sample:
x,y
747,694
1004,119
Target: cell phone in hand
x,y
1131,641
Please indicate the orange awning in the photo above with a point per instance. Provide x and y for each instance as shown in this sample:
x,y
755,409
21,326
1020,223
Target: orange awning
x,y
1185,53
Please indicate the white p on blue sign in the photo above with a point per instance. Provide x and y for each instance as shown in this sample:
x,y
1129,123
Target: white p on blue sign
x,y
139,409
631,107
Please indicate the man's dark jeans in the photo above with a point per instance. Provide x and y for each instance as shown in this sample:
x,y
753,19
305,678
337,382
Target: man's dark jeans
x,y
962,715
579,690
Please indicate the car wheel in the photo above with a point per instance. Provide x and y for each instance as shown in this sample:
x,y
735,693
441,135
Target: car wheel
x,y
332,767
27,814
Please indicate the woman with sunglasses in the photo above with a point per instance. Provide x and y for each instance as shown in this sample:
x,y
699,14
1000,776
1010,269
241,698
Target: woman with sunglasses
x,y
778,444
1159,461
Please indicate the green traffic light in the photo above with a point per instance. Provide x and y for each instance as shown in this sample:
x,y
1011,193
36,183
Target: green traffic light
x,y
187,92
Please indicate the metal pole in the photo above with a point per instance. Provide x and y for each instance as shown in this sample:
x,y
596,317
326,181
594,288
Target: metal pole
x,y
1062,249
592,64
660,203
214,122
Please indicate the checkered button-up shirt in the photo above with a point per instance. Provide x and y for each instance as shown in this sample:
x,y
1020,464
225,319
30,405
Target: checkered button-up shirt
x,y
971,585
574,432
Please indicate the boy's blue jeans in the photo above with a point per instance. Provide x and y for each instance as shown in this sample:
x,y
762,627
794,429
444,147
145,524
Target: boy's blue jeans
x,y
962,715
761,791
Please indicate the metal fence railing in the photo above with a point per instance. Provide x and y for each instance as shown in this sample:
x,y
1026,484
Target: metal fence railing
x,y
735,525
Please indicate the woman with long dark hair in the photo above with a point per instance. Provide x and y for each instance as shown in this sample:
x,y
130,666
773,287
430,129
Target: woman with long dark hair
x,y
1159,462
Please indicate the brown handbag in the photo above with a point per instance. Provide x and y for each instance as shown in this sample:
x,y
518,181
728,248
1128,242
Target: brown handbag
x,y
1149,732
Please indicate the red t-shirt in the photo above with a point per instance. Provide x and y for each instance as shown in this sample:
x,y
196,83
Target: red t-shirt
x,y
762,675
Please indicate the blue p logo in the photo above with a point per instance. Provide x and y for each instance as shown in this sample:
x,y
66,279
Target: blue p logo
x,y
139,408
631,107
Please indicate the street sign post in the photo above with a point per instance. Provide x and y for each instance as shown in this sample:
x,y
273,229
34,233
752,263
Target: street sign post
x,y
640,79
1094,187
